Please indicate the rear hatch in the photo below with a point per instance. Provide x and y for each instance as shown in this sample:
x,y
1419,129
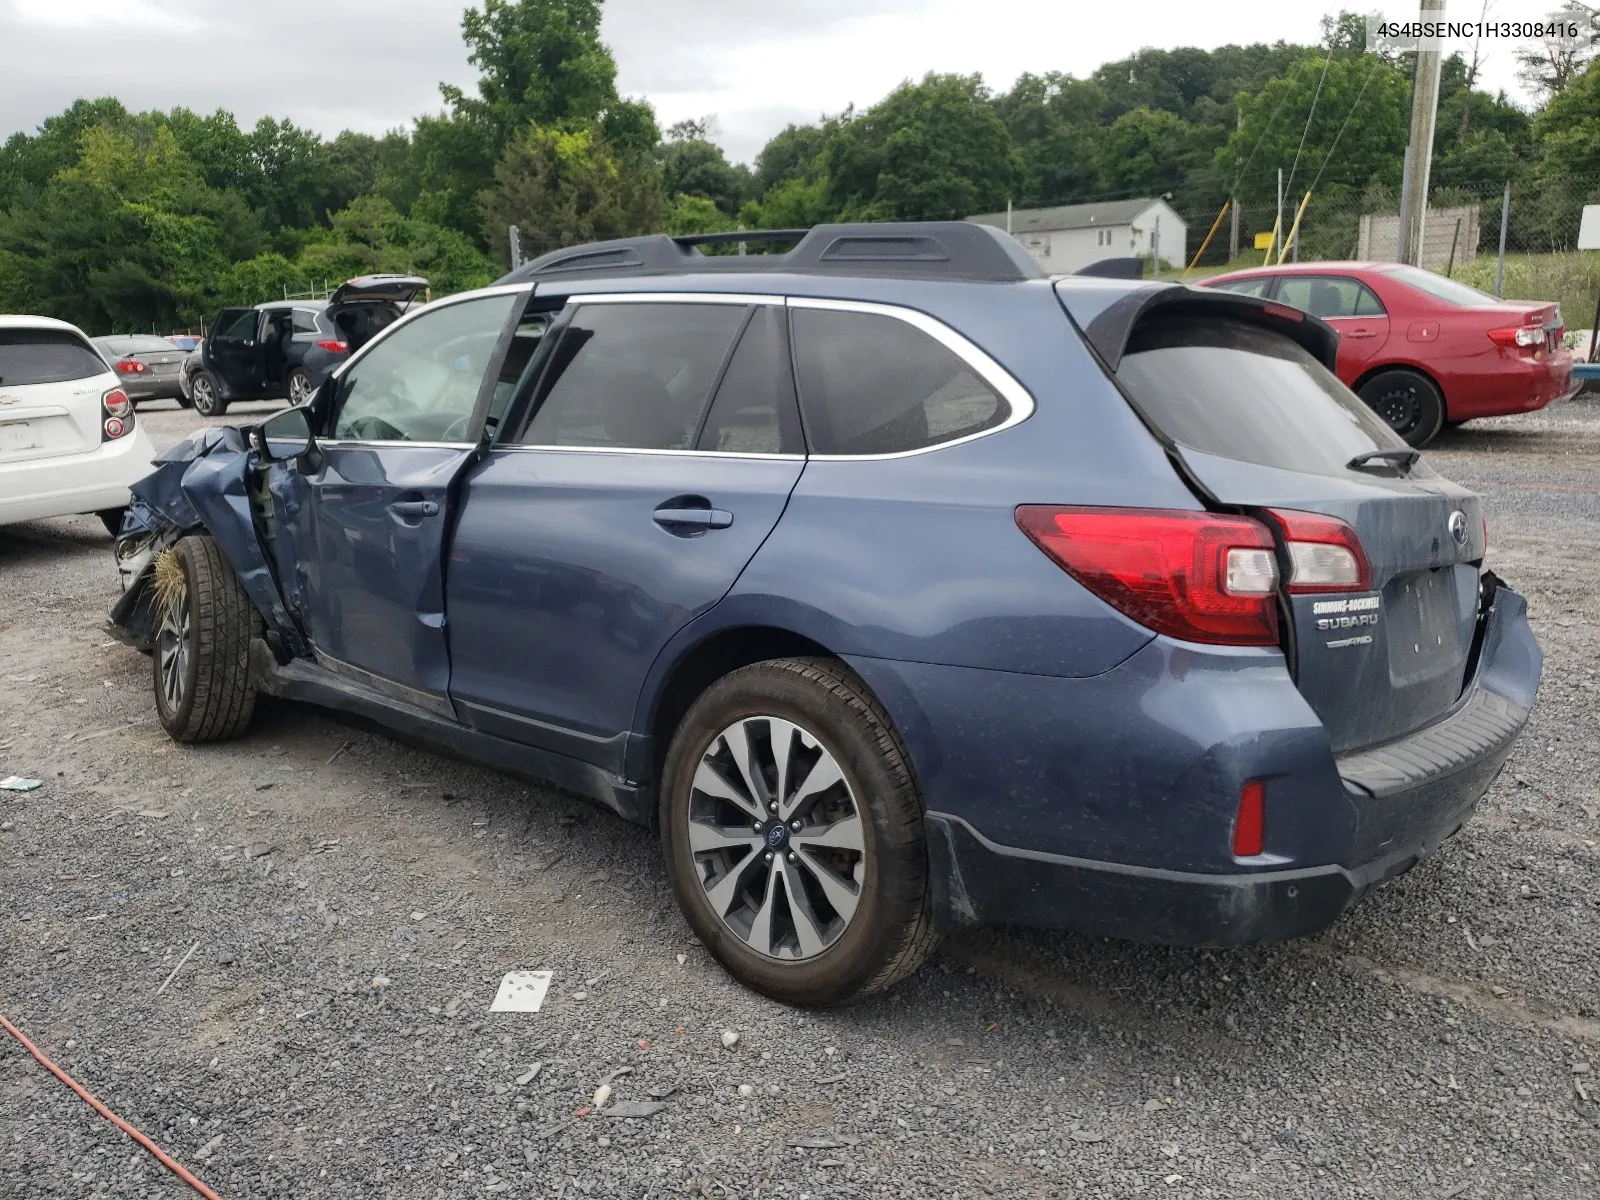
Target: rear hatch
x,y
363,307
1243,395
51,384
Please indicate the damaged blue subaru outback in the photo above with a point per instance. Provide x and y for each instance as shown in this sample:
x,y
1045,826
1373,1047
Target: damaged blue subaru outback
x,y
898,586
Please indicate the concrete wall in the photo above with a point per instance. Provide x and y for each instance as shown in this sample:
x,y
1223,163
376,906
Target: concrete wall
x,y
1380,237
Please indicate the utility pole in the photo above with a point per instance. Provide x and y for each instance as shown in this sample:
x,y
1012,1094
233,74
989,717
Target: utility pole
x,y
1500,262
1419,154
516,247
1277,224
1233,230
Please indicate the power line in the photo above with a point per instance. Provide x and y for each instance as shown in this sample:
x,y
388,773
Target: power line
x,y
1315,96
1328,157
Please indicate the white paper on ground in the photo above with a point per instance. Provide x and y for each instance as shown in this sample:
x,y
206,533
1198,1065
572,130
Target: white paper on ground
x,y
521,991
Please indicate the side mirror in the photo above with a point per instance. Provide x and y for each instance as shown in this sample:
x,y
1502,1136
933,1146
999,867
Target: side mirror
x,y
285,436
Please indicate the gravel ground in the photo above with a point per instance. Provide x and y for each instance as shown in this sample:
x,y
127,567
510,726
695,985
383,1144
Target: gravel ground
x,y
354,903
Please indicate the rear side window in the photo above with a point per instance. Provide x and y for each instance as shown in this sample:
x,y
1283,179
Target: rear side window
x,y
46,356
873,384
1239,391
305,321
1245,287
1329,296
755,412
633,376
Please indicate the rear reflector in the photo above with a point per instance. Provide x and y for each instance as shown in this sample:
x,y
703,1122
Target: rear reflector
x,y
1325,555
114,428
1196,576
1249,828
335,347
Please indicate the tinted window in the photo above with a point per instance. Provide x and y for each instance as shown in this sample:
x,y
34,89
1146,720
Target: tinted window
x,y
1245,287
872,384
236,324
633,375
1441,288
422,383
305,321
46,356
1240,391
519,361
754,412
1329,296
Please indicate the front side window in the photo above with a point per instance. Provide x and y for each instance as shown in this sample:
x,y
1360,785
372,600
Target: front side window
x,y
633,376
46,356
236,325
421,384
1329,296
874,384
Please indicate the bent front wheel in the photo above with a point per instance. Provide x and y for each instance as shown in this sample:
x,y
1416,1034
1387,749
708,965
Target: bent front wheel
x,y
201,664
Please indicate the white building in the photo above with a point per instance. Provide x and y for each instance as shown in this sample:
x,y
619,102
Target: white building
x,y
1075,235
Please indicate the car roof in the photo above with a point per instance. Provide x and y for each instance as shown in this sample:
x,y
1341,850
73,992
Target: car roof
x,y
313,304
1324,267
18,321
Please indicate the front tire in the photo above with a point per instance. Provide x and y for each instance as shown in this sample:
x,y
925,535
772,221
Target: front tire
x,y
201,664
793,834
206,396
1408,402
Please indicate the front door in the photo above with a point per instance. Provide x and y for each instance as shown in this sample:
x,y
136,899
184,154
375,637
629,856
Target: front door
x,y
662,446
362,519
1351,307
233,352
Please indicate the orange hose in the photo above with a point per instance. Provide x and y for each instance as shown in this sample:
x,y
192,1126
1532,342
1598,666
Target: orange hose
x,y
162,1156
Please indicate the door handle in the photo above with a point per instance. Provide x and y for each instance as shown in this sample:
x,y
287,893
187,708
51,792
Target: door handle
x,y
415,508
1362,333
698,518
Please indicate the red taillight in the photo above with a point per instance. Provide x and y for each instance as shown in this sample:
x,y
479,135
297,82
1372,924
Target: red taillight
x,y
1325,555
1526,337
334,347
1198,576
116,411
1249,828
130,366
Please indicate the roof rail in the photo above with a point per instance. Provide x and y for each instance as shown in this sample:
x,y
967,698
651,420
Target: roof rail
x,y
951,250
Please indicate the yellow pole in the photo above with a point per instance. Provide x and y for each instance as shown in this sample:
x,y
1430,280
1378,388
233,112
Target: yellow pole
x,y
1277,226
1207,242
1294,230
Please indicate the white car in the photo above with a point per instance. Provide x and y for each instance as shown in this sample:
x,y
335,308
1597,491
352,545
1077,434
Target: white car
x,y
68,439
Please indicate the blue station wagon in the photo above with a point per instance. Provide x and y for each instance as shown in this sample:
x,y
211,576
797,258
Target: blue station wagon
x,y
898,586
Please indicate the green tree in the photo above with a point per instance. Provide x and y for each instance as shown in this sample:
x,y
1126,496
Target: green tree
x,y
564,188
695,166
793,153
371,235
1146,151
1054,122
928,151
30,161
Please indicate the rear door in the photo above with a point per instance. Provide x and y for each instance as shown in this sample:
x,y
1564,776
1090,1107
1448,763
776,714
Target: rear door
x,y
360,524
1263,426
233,351
1347,304
51,384
662,446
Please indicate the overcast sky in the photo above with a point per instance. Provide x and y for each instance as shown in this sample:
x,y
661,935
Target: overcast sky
x,y
371,65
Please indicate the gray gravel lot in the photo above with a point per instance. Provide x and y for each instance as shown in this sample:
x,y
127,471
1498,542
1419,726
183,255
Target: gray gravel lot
x,y
355,903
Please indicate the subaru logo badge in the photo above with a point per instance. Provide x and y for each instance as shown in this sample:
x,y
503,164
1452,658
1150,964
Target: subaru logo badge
x,y
1458,527
777,835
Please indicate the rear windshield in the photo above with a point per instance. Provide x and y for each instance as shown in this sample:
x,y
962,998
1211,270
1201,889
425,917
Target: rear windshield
x,y
137,343
1240,391
1441,288
45,356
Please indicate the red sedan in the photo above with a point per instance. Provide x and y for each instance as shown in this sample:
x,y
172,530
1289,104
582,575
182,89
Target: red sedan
x,y
1423,351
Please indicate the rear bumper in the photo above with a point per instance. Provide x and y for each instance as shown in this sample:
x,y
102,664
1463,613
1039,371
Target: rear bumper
x,y
1114,816
77,483
1513,385
165,388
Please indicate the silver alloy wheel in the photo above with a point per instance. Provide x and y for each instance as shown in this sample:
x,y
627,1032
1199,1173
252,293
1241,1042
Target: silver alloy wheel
x,y
172,649
775,833
201,394
299,388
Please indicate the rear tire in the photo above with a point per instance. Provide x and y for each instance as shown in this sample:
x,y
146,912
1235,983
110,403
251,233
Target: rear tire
x,y
206,396
1408,402
858,919
298,387
201,664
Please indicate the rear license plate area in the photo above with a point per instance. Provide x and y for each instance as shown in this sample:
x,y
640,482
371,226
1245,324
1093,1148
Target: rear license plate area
x,y
1424,632
18,435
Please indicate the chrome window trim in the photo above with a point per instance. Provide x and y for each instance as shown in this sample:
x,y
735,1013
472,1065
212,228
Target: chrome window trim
x,y
1011,391
716,454
670,298
395,442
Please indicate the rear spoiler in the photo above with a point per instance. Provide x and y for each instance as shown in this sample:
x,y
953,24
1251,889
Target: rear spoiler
x,y
1106,314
